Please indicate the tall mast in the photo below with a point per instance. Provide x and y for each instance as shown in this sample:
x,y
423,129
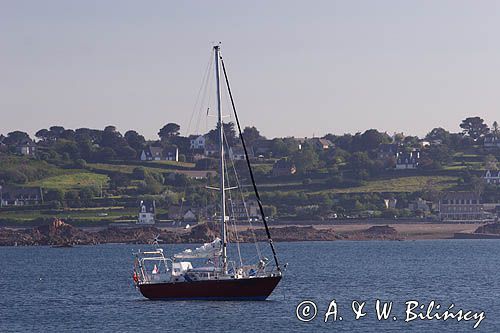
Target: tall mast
x,y
221,164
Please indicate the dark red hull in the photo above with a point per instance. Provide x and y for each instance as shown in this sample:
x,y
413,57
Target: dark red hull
x,y
235,289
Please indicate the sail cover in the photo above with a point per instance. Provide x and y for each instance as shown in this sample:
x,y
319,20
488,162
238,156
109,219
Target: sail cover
x,y
207,250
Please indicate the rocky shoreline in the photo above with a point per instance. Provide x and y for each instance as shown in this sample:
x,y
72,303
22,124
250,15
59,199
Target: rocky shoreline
x,y
59,233
487,231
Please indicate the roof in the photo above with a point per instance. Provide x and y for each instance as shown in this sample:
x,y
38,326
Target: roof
x,y
461,195
490,138
30,193
492,173
324,142
147,206
154,152
171,150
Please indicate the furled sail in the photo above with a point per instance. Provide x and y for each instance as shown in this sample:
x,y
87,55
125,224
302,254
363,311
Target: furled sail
x,y
207,250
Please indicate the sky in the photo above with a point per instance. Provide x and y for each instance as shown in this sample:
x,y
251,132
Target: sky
x,y
297,68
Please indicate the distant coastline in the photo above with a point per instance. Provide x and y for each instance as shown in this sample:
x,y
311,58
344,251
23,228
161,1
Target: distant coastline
x,y
60,233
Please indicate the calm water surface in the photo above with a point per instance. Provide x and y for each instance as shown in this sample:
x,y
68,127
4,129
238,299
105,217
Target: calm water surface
x,y
89,288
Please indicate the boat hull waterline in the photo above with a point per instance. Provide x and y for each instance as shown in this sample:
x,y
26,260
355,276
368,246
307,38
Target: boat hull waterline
x,y
257,288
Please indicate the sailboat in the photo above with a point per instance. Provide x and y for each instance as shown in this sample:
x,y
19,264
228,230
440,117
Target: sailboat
x,y
176,278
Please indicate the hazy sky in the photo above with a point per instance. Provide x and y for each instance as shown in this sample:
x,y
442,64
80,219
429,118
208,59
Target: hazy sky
x,y
297,68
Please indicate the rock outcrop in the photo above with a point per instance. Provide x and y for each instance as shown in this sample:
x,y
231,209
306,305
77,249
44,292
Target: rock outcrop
x,y
491,228
59,233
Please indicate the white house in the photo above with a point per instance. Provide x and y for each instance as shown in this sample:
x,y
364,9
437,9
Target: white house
x,y
407,160
170,153
390,203
152,154
182,213
27,148
190,216
146,212
491,141
420,204
20,196
197,141
492,177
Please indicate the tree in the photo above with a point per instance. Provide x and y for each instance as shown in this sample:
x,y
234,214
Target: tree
x,y
16,137
113,139
118,180
43,134
125,152
150,185
410,141
87,134
135,140
440,154
68,134
284,147
360,160
229,134
56,131
440,134
168,131
67,147
106,154
494,126
139,173
372,138
305,159
54,195
398,137
182,142
87,193
490,162
344,142
474,127
110,129
72,198
251,134
477,185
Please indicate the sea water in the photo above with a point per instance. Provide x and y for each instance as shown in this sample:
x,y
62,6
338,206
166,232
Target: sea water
x,y
90,288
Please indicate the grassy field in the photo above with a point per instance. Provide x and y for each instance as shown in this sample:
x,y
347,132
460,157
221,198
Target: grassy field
x,y
151,167
402,184
74,179
101,214
122,168
171,163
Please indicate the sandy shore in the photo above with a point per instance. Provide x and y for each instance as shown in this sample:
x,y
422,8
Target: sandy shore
x,y
410,231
